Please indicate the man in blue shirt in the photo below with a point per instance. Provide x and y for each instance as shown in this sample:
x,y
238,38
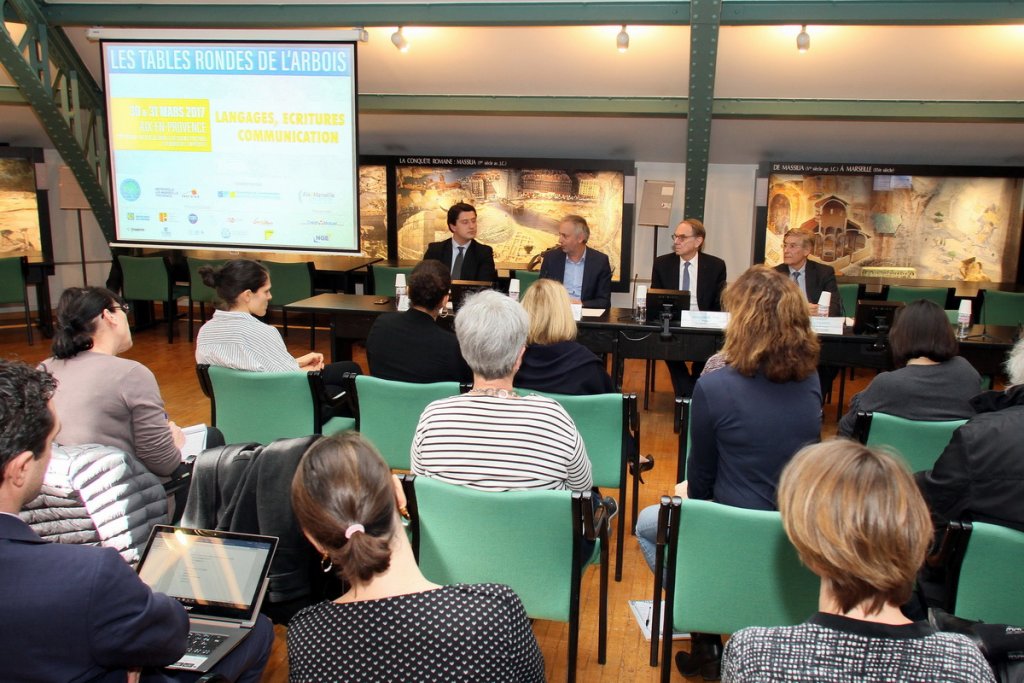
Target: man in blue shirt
x,y
586,273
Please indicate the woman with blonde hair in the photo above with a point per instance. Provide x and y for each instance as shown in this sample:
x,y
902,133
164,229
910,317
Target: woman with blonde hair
x,y
554,361
392,624
748,418
858,521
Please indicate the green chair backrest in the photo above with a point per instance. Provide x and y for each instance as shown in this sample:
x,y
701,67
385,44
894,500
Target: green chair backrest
x,y
199,292
936,295
263,406
145,278
990,588
389,412
12,280
848,295
522,539
384,278
919,443
599,420
746,572
526,279
1002,308
289,282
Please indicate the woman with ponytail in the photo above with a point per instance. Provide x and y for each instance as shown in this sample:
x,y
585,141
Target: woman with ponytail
x,y
101,398
392,624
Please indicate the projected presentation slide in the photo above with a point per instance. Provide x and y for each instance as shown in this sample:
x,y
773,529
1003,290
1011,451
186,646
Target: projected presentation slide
x,y
234,144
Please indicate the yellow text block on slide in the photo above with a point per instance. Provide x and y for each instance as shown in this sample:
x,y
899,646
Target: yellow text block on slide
x,y
153,124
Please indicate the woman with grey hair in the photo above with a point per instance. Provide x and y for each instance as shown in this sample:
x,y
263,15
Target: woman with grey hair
x,y
981,472
492,438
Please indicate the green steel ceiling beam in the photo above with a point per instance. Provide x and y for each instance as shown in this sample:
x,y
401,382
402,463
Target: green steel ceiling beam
x,y
69,104
678,107
704,18
734,12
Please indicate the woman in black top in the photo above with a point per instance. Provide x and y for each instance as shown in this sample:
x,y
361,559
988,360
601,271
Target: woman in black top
x,y
392,624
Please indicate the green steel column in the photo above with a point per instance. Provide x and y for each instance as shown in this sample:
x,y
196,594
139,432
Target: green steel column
x,y
705,16
53,80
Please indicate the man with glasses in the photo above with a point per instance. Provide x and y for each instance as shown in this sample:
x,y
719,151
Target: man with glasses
x,y
689,269
811,277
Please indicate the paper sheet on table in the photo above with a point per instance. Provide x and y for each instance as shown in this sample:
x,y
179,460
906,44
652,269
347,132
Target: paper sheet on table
x,y
195,441
593,312
642,613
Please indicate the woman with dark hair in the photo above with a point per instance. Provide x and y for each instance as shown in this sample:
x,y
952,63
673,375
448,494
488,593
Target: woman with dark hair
x,y
101,398
748,418
931,382
234,338
858,521
392,624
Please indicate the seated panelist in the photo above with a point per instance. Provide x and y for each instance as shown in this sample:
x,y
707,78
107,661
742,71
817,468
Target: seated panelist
x,y
586,273
462,255
410,346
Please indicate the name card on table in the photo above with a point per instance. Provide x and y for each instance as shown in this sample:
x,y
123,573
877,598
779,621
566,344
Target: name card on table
x,y
822,325
708,320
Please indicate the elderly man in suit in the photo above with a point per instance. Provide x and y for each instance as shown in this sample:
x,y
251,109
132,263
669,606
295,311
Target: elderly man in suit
x,y
465,258
76,612
811,277
586,273
689,269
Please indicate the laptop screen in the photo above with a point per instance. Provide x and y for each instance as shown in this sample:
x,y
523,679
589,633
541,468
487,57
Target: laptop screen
x,y
212,573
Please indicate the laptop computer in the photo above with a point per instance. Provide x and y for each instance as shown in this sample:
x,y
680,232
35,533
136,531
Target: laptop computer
x,y
219,577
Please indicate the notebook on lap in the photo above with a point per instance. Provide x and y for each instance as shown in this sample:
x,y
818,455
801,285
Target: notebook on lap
x,y
220,577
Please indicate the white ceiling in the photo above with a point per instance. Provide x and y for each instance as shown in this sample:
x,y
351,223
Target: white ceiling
x,y
974,63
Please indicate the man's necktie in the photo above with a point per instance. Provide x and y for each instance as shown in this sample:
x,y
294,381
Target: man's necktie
x,y
686,276
457,266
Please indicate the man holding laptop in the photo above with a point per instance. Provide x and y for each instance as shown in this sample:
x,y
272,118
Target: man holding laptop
x,y
71,612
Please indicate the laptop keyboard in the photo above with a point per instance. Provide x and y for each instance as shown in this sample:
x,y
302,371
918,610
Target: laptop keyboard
x,y
203,643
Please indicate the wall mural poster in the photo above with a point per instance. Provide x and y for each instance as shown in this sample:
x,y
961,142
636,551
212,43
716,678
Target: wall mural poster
x,y
518,209
373,211
19,210
909,226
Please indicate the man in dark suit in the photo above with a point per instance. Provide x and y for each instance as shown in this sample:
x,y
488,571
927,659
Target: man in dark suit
x,y
812,277
465,258
689,269
436,357
76,612
586,273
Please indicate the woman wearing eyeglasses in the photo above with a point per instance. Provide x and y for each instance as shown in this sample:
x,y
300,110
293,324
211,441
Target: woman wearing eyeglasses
x,y
101,398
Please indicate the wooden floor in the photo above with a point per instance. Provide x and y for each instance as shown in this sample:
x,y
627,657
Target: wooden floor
x,y
628,652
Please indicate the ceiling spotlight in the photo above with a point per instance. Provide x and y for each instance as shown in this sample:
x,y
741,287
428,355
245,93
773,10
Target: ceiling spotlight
x,y
803,40
622,40
399,40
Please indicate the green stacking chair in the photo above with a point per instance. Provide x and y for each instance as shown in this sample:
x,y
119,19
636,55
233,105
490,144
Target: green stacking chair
x,y
681,426
198,291
383,278
14,290
937,295
610,427
387,412
989,587
918,442
264,406
148,278
291,282
746,573
848,294
526,279
528,540
1002,308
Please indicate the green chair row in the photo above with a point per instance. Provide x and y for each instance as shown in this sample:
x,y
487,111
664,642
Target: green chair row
x,y
918,442
148,278
14,289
